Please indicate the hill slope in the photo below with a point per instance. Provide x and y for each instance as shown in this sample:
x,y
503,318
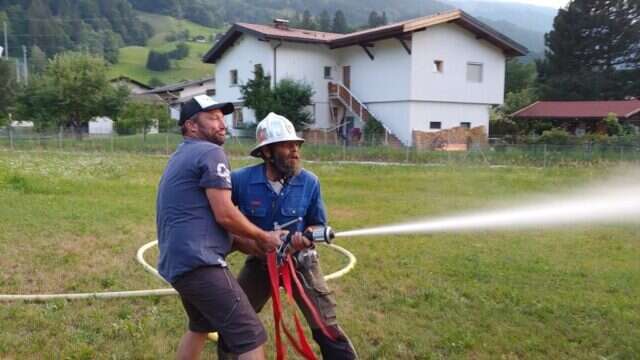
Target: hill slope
x,y
132,59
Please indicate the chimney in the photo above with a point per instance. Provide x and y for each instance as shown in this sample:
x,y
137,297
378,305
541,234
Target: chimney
x,y
281,24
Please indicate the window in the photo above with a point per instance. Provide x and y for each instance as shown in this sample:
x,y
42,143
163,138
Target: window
x,y
327,72
211,92
474,72
466,125
233,77
438,66
435,125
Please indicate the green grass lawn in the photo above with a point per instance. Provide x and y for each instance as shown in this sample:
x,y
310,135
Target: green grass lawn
x,y
132,59
73,222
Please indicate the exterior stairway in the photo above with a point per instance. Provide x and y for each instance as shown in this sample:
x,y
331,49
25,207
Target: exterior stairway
x,y
341,94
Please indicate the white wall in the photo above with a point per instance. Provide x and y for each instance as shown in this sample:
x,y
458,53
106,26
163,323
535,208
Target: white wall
x,y
395,116
306,62
242,56
449,114
197,89
400,89
386,78
101,125
456,47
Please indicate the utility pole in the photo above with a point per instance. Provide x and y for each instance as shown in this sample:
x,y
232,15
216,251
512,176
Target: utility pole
x,y
6,42
25,64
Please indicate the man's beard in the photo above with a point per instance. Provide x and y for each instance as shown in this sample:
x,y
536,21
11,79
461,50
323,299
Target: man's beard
x,y
285,169
215,138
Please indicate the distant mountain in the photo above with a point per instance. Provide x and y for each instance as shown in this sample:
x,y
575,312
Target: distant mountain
x,y
529,17
524,23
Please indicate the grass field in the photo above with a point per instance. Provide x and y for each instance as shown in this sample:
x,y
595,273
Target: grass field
x,y
132,59
73,222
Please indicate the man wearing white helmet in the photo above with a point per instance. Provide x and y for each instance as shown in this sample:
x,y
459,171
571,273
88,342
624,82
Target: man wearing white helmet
x,y
278,191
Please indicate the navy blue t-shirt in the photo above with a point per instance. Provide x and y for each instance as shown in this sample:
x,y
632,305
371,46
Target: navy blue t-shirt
x,y
188,235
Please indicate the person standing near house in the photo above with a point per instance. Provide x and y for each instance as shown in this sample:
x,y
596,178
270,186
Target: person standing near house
x,y
195,215
275,192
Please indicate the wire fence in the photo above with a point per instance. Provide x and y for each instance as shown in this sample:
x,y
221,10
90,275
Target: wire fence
x,y
539,155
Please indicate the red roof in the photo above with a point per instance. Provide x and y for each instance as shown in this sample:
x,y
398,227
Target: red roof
x,y
579,109
292,33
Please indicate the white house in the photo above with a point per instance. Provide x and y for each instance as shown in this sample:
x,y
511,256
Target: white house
x,y
436,72
175,94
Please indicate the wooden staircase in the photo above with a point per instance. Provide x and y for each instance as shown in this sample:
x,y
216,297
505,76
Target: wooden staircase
x,y
341,94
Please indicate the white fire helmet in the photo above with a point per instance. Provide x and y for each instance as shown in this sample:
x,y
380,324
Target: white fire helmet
x,y
272,129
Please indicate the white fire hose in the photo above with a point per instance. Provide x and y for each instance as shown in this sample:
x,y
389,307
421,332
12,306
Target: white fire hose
x,y
152,292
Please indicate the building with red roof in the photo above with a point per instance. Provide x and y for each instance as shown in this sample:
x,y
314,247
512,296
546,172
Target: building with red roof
x,y
580,117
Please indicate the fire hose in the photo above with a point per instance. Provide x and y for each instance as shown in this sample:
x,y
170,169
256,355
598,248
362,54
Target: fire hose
x,y
151,292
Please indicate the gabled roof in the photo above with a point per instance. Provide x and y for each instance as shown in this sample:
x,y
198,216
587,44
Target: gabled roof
x,y
579,109
458,17
178,86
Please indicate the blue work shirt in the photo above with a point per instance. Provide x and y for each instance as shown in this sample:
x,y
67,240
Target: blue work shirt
x,y
257,200
188,235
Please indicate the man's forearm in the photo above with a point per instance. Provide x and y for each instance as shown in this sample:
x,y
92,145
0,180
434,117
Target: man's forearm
x,y
246,245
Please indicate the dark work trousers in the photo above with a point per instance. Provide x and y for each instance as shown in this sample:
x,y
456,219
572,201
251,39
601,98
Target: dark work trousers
x,y
254,280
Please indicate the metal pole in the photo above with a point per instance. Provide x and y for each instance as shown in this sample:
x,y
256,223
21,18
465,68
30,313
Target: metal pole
x,y
10,127
18,71
6,42
26,67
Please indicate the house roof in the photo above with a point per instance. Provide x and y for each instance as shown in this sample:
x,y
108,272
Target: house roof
x,y
399,29
178,86
579,109
133,81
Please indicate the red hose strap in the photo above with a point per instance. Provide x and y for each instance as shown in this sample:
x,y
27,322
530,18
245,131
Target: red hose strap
x,y
286,273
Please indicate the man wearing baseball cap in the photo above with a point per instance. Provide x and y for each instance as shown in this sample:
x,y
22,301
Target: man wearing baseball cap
x,y
195,216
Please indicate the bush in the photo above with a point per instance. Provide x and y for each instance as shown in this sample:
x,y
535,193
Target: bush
x,y
613,125
554,136
181,51
373,131
289,98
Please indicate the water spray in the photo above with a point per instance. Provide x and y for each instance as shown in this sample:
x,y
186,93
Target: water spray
x,y
614,203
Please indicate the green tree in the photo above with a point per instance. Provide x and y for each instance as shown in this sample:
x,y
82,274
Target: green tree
x,y
613,125
592,52
140,116
307,21
7,89
339,23
324,22
158,61
72,90
257,94
38,60
289,98
520,76
376,20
